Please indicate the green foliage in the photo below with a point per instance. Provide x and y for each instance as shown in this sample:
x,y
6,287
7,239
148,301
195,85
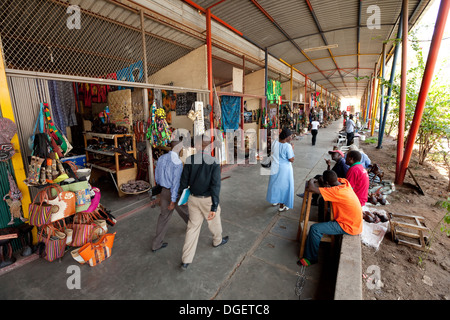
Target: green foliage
x,y
445,223
435,123
371,140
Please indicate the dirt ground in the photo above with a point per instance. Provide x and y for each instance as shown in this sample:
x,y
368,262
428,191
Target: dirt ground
x,y
401,276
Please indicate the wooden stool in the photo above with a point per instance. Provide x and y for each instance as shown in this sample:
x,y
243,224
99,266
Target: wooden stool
x,y
24,234
6,250
304,217
395,223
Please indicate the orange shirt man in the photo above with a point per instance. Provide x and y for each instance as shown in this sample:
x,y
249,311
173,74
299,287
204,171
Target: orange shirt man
x,y
346,209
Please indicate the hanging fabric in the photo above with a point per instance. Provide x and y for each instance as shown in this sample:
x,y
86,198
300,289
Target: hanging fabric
x,y
231,112
63,104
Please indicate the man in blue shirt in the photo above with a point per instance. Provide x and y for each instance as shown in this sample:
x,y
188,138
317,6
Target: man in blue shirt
x,y
365,160
167,175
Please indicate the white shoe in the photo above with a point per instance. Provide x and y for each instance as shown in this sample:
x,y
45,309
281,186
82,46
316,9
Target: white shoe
x,y
275,204
283,209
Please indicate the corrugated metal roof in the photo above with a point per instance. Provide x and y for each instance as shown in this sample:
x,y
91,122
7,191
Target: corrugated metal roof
x,y
315,23
284,27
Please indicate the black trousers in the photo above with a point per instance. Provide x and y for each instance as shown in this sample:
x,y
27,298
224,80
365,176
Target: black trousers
x,y
314,136
350,136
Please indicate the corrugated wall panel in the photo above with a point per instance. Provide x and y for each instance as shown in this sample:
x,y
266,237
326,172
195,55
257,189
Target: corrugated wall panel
x,y
26,94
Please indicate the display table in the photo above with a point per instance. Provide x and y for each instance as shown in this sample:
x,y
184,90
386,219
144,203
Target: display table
x,y
118,174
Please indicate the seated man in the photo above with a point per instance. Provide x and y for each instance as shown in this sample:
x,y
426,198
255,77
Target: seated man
x,y
340,167
365,160
357,176
346,209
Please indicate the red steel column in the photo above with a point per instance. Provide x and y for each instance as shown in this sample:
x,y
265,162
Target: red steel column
x,y
425,86
210,75
402,106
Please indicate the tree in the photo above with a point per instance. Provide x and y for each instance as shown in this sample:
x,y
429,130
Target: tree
x,y
434,127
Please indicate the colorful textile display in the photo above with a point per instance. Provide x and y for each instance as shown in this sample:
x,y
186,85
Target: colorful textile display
x,y
274,91
53,131
158,128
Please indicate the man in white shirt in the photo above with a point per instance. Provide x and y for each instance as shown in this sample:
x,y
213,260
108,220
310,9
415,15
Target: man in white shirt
x,y
314,130
350,130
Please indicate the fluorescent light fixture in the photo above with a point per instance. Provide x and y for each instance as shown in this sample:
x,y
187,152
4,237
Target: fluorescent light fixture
x,y
330,46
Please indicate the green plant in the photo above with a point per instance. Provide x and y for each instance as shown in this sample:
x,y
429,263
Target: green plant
x,y
443,225
371,140
435,122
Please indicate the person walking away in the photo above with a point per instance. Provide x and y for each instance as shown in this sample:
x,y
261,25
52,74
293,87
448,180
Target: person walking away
x,y
167,175
314,130
350,130
357,176
201,173
281,181
346,209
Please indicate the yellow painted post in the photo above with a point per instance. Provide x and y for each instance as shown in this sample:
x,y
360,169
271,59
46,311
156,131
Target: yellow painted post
x,y
292,83
374,111
7,112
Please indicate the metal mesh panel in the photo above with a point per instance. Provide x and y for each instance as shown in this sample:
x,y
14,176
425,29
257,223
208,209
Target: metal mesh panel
x,y
36,37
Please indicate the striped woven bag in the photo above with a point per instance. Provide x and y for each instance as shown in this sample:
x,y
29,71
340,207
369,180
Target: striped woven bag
x,y
40,212
55,243
97,252
84,229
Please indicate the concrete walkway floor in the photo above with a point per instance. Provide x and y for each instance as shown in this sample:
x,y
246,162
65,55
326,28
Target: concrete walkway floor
x,y
258,262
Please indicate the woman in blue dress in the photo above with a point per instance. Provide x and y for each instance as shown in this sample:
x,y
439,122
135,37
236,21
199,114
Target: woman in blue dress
x,y
281,181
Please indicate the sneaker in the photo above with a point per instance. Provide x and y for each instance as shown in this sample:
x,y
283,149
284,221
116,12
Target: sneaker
x,y
275,204
283,209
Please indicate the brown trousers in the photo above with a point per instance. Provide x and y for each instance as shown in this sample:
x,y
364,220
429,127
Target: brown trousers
x,y
164,217
199,209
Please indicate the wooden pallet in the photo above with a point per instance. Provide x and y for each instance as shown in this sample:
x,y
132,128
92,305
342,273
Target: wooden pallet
x,y
416,225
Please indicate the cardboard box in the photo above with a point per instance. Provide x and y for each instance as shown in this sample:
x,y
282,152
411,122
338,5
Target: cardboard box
x,y
79,161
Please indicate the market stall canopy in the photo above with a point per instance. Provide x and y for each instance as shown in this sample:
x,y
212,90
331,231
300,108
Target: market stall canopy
x,y
335,43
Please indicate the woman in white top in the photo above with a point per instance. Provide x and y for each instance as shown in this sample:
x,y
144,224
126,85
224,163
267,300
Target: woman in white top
x,y
314,130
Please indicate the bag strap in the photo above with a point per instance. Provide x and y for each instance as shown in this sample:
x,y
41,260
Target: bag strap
x,y
84,217
48,189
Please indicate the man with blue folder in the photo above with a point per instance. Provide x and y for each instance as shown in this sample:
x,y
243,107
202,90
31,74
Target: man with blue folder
x,y
201,173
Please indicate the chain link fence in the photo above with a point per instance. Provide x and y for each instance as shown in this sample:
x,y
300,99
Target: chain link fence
x,y
100,40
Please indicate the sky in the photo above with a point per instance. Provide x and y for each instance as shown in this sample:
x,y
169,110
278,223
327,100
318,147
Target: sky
x,y
426,28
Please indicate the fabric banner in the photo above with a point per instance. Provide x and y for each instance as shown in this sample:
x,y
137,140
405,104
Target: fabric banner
x,y
63,104
231,112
